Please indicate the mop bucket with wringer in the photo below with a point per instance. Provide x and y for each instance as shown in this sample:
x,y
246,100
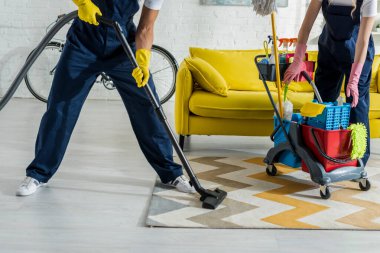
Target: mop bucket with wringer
x,y
327,136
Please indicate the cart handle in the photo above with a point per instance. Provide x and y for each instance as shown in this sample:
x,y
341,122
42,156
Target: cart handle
x,y
331,159
311,82
274,106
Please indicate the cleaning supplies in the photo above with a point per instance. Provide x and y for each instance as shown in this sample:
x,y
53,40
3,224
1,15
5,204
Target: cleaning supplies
x,y
272,59
311,109
359,140
284,42
266,59
288,106
340,101
288,110
264,7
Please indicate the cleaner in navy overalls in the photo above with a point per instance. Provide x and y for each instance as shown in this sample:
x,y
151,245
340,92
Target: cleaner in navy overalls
x,y
346,50
92,48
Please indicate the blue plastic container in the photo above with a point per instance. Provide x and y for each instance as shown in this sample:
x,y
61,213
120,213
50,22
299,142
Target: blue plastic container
x,y
334,117
287,157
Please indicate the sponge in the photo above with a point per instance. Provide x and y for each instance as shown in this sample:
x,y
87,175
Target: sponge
x,y
359,140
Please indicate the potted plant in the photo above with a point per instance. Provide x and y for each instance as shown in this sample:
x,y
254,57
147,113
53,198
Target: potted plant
x,y
378,28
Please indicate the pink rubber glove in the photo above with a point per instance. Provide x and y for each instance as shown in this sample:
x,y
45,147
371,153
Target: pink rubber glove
x,y
298,65
352,86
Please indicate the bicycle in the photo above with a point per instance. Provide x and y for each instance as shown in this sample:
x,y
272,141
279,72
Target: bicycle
x,y
39,78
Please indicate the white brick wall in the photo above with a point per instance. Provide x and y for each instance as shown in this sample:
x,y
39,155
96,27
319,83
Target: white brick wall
x,y
181,24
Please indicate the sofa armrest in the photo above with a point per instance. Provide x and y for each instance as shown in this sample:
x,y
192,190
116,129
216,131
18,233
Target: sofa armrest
x,y
378,79
184,89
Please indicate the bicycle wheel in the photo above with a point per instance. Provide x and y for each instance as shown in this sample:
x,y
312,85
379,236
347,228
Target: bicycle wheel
x,y
40,76
164,69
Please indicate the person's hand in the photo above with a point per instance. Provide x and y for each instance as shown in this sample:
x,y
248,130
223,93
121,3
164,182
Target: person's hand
x,y
141,73
297,66
352,86
87,11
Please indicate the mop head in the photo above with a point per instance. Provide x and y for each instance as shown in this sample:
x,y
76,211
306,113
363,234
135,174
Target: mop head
x,y
359,140
264,7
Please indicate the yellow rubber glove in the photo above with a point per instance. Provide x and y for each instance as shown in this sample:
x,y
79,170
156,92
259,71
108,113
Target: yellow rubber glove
x,y
141,73
87,11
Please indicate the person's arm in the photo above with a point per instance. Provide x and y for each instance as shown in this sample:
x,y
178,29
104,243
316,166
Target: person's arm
x,y
303,35
308,21
361,49
144,42
362,42
145,29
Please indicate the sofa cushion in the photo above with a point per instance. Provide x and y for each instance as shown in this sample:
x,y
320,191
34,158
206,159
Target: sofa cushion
x,y
207,76
236,66
375,80
254,105
238,105
374,108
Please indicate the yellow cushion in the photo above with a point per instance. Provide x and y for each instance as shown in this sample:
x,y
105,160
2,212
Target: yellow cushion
x,y
375,128
236,66
207,76
238,105
374,107
300,87
375,80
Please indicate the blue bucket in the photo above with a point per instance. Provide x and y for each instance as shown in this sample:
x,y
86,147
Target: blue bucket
x,y
287,157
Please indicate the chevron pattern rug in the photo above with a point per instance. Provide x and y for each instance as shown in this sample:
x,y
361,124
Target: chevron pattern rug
x,y
255,200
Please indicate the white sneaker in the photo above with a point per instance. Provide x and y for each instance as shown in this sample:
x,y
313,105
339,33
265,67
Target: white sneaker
x,y
28,187
182,184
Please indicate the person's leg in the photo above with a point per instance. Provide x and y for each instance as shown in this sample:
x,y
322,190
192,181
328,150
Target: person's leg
x,y
151,135
328,79
72,82
359,114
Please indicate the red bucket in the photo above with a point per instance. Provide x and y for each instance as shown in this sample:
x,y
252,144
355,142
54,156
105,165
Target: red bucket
x,y
332,148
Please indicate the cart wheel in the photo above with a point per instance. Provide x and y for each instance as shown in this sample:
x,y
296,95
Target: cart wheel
x,y
325,192
364,185
271,170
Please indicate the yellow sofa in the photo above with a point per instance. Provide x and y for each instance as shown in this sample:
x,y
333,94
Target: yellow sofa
x,y
246,111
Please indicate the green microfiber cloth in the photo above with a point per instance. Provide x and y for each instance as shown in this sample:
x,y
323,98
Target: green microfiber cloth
x,y
359,140
286,91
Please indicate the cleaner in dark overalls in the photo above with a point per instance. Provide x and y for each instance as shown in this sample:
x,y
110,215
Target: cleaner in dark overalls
x,y
91,49
346,50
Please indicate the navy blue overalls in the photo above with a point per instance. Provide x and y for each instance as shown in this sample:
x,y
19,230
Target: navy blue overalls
x,y
337,45
90,50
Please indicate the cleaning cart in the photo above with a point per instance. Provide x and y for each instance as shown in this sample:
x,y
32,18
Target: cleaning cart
x,y
296,142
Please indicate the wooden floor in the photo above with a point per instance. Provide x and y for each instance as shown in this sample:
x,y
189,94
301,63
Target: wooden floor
x,y
98,200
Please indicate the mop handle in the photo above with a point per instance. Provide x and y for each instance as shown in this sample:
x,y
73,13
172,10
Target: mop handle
x,y
316,92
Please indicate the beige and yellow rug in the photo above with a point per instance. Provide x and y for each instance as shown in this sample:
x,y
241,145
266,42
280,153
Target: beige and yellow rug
x,y
255,200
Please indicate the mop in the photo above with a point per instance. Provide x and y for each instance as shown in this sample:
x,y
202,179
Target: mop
x,y
264,8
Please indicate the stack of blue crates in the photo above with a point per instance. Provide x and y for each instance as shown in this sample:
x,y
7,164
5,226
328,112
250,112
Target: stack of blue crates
x,y
334,117
287,157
